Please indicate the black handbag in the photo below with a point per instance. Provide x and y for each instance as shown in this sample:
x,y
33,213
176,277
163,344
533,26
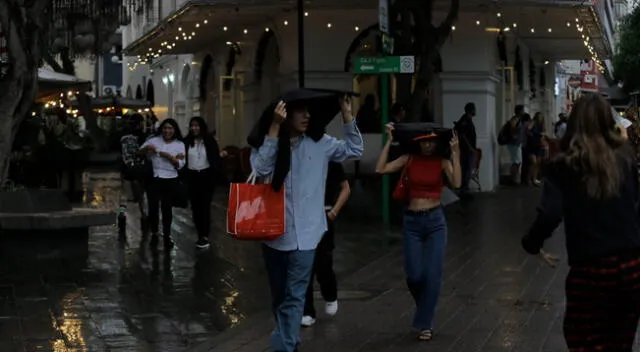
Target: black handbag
x,y
180,198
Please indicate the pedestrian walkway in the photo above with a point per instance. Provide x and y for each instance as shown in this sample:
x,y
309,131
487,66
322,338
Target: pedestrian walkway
x,y
104,294
495,296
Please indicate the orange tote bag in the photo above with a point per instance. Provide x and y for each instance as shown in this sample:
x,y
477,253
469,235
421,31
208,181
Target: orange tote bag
x,y
255,211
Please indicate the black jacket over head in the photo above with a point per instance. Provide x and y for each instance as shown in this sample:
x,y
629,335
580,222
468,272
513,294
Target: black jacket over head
x,y
323,106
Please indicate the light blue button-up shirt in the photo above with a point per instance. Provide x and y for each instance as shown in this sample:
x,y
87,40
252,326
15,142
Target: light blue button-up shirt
x,y
305,217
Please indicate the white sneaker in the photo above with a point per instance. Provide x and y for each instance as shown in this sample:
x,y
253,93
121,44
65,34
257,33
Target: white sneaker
x,y
331,308
307,321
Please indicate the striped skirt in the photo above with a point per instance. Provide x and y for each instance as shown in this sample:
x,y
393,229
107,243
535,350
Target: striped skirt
x,y
603,304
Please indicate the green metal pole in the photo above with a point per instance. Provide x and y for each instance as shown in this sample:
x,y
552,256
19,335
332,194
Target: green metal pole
x,y
384,106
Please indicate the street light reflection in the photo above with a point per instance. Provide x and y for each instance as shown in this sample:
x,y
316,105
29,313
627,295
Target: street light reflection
x,y
230,310
70,327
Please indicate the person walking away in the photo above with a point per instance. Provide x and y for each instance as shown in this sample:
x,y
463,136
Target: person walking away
x,y
336,195
593,187
466,131
133,169
167,155
535,150
302,169
202,164
424,228
514,143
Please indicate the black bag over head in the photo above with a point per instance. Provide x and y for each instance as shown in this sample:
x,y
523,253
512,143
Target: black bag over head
x,y
409,134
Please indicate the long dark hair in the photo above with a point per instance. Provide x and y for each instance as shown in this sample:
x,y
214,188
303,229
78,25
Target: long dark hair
x,y
177,135
204,130
592,146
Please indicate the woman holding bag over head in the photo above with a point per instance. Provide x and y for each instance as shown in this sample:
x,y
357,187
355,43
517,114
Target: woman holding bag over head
x,y
293,149
424,226
166,153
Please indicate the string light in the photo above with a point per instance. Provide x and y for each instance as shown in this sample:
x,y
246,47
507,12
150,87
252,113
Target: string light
x,y
145,58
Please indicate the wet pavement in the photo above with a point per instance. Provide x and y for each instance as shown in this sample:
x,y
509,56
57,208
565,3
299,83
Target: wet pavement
x,y
495,296
105,293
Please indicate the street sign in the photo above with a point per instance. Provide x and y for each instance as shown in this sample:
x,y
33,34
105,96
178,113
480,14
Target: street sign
x,y
383,16
386,64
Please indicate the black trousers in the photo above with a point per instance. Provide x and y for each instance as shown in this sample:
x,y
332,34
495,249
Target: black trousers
x,y
201,186
160,196
323,272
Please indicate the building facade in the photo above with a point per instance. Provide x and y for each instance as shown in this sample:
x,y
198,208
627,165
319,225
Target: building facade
x,y
227,62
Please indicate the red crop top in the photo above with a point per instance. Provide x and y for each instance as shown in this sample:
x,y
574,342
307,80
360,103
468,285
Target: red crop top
x,y
425,178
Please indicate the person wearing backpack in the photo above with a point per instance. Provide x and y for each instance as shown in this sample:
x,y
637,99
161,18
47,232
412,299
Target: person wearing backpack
x,y
512,135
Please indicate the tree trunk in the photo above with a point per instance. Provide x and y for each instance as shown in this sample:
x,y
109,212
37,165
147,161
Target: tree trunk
x,y
428,42
18,88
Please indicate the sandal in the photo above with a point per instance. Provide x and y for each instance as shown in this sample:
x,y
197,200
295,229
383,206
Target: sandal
x,y
425,335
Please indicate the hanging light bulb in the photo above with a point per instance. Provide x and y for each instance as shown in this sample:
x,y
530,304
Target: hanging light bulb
x,y
499,14
246,31
356,28
533,30
286,23
225,28
205,21
515,25
477,23
266,29
453,28
329,25
197,25
549,30
306,14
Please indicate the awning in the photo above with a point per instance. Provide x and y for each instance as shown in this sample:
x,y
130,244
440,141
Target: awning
x,y
52,83
199,23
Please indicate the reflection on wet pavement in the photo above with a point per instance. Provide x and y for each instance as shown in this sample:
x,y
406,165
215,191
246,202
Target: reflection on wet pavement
x,y
103,293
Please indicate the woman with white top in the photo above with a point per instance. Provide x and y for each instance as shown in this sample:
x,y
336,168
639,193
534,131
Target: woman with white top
x,y
166,153
203,160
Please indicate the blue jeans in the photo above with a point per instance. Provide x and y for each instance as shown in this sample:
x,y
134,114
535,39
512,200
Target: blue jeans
x,y
467,163
425,240
289,273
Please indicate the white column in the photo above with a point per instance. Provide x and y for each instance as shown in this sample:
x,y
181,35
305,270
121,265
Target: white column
x,y
459,88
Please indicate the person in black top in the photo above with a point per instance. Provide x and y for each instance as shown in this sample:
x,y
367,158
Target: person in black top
x,y
593,187
337,192
202,162
466,130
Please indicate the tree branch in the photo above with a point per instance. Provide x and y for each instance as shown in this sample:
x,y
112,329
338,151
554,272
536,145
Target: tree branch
x,y
51,61
444,30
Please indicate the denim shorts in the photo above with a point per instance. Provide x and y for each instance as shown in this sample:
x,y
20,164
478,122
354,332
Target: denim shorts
x,y
515,153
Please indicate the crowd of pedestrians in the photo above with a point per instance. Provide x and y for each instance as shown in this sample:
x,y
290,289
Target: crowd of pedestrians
x,y
590,182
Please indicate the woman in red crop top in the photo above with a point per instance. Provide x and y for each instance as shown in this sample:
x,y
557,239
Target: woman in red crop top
x,y
424,226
